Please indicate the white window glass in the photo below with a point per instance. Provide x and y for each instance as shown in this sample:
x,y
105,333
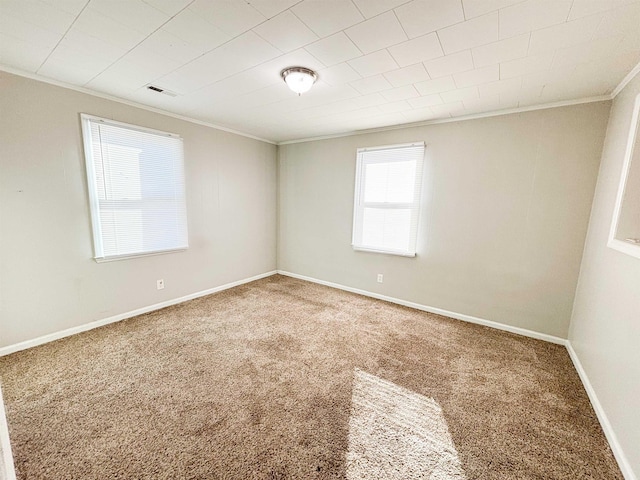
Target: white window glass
x,y
387,198
136,189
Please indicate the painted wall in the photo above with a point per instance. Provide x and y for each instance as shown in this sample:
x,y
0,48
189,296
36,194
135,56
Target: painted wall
x,y
506,203
48,280
605,327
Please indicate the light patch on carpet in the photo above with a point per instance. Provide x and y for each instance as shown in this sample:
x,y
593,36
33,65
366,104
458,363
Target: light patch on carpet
x,y
395,433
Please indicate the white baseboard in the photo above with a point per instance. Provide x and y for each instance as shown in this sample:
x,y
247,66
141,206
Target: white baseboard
x,y
116,318
621,458
438,311
602,417
8,472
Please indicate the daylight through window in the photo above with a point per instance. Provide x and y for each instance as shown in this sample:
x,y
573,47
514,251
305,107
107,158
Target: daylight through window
x,y
136,188
387,198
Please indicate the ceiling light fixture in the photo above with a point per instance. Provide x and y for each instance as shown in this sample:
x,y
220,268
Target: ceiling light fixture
x,y
299,79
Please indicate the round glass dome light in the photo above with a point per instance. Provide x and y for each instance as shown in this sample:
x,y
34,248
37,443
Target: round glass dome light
x,y
299,79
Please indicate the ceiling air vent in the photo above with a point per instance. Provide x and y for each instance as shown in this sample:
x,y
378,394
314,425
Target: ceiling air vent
x,y
162,90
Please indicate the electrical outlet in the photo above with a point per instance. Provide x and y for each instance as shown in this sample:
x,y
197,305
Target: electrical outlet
x,y
160,284
380,278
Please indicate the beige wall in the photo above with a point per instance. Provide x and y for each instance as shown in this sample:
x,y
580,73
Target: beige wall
x,y
605,327
48,281
506,203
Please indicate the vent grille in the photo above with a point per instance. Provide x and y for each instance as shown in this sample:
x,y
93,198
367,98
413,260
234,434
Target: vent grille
x,y
162,90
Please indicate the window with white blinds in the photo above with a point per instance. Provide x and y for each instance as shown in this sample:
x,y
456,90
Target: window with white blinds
x,y
387,198
136,189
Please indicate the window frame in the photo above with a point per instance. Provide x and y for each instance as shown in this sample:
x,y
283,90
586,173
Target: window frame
x,y
633,143
92,187
359,204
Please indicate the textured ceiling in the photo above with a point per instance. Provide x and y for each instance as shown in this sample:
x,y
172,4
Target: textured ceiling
x,y
380,62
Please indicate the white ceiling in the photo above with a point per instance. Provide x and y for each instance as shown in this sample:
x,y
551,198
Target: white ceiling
x,y
380,62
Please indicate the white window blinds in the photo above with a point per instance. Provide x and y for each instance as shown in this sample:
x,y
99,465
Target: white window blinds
x,y
136,188
387,198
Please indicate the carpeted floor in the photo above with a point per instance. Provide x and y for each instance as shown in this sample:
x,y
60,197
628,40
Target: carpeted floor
x,y
282,378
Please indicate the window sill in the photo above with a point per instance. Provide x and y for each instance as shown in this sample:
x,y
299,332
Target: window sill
x,y
137,255
386,252
629,248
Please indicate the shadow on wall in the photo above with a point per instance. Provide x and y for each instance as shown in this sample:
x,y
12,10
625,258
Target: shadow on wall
x,y
395,433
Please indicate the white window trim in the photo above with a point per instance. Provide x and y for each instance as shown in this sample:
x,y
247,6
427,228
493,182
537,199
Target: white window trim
x,y
93,187
633,140
358,196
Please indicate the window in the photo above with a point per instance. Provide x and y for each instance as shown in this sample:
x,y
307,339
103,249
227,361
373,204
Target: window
x,y
625,228
136,189
387,198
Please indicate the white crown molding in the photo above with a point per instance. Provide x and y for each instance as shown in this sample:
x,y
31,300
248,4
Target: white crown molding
x,y
578,101
630,76
16,347
601,98
495,113
438,311
57,83
609,433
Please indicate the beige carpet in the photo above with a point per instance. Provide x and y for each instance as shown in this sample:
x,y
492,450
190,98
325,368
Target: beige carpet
x,y
282,379
397,434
